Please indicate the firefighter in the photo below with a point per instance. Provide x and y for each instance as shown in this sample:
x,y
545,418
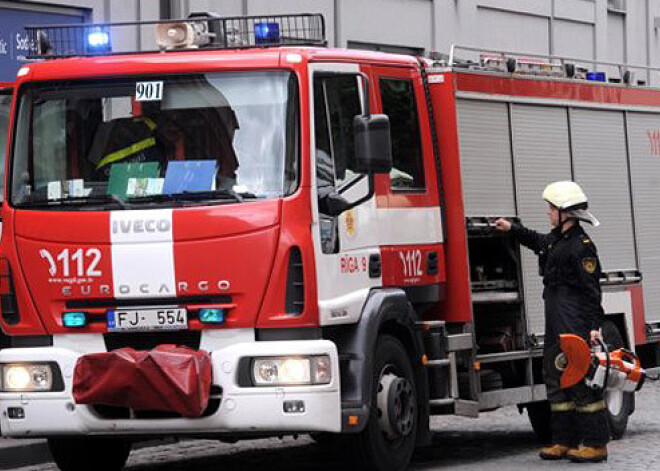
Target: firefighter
x,y
571,270
126,140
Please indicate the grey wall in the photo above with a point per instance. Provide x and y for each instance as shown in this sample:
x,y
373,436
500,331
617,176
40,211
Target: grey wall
x,y
605,30
592,30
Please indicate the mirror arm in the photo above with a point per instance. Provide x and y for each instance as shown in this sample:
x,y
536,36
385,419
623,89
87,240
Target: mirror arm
x,y
365,94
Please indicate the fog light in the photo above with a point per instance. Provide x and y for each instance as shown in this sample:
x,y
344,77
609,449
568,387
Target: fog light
x,y
16,412
294,407
74,319
27,377
212,315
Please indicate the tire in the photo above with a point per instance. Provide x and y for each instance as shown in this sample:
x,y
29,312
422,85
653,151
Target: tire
x,y
84,454
539,416
619,404
376,447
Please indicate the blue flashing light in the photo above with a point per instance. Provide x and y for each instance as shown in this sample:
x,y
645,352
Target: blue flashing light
x,y
596,76
266,33
212,315
74,319
98,40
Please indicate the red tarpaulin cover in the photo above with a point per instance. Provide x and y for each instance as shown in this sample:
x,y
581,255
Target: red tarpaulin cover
x,y
167,378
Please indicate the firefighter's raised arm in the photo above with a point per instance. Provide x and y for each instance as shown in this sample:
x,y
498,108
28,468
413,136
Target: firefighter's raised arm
x,y
527,237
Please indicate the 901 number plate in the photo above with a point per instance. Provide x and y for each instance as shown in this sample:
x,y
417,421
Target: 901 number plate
x,y
148,319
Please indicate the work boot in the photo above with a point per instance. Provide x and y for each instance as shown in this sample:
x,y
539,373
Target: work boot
x,y
554,452
588,454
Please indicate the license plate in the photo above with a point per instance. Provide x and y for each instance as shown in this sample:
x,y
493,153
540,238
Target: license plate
x,y
170,318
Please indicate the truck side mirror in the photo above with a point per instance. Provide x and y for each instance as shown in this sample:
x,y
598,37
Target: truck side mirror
x,y
373,146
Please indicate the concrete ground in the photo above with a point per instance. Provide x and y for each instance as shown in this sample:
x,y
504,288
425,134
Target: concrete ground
x,y
502,439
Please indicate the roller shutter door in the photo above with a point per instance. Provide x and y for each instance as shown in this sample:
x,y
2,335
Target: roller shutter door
x,y
541,155
600,166
486,168
645,176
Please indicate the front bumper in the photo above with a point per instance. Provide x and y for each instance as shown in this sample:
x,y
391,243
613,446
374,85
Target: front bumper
x,y
242,409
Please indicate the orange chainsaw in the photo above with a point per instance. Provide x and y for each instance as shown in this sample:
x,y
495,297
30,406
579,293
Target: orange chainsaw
x,y
573,361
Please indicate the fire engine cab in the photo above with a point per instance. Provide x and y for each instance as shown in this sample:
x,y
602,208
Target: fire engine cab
x,y
244,233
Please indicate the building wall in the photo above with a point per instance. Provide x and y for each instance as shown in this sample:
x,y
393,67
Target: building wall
x,y
589,30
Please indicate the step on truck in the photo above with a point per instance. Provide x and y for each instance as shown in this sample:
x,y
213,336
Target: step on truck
x,y
243,233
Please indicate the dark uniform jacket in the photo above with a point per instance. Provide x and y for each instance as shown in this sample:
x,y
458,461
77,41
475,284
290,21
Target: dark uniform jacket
x,y
571,270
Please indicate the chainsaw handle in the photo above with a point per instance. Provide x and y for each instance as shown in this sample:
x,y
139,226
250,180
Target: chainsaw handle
x,y
606,351
627,355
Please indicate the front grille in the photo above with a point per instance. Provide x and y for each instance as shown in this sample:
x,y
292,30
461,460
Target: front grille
x,y
118,413
111,303
150,340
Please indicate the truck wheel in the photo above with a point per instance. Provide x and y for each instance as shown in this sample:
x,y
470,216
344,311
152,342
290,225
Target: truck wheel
x,y
539,417
388,440
619,404
84,454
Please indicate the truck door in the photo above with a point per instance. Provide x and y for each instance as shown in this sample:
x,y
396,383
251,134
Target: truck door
x,y
344,243
408,199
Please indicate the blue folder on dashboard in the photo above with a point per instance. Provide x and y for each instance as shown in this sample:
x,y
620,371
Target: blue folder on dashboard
x,y
189,176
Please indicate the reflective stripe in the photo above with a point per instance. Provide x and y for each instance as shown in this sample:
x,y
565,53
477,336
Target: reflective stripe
x,y
591,408
127,151
562,406
151,124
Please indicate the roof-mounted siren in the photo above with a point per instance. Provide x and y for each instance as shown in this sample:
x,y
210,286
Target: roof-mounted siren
x,y
199,29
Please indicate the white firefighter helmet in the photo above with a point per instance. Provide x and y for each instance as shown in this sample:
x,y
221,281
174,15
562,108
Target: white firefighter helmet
x,y
569,198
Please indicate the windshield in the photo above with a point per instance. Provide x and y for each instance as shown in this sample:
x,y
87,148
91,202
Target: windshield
x,y
195,139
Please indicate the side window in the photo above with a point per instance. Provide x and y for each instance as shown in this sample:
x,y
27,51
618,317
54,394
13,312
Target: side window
x,y
398,98
336,102
5,103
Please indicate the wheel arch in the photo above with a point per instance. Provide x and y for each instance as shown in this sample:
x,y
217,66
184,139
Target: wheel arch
x,y
387,311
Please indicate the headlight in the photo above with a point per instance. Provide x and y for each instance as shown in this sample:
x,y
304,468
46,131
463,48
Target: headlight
x,y
291,371
27,377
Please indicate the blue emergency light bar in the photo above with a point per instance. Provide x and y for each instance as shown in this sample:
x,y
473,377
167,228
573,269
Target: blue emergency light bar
x,y
207,31
98,40
266,33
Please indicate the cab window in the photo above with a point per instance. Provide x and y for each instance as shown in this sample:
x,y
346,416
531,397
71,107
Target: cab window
x,y
398,99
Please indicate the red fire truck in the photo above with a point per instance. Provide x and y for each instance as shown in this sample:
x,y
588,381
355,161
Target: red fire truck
x,y
313,224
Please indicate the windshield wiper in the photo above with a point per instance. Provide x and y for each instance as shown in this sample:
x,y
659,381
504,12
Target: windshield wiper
x,y
78,200
221,194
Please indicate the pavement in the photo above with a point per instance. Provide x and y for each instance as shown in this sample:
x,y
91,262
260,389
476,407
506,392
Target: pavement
x,y
501,439
15,453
